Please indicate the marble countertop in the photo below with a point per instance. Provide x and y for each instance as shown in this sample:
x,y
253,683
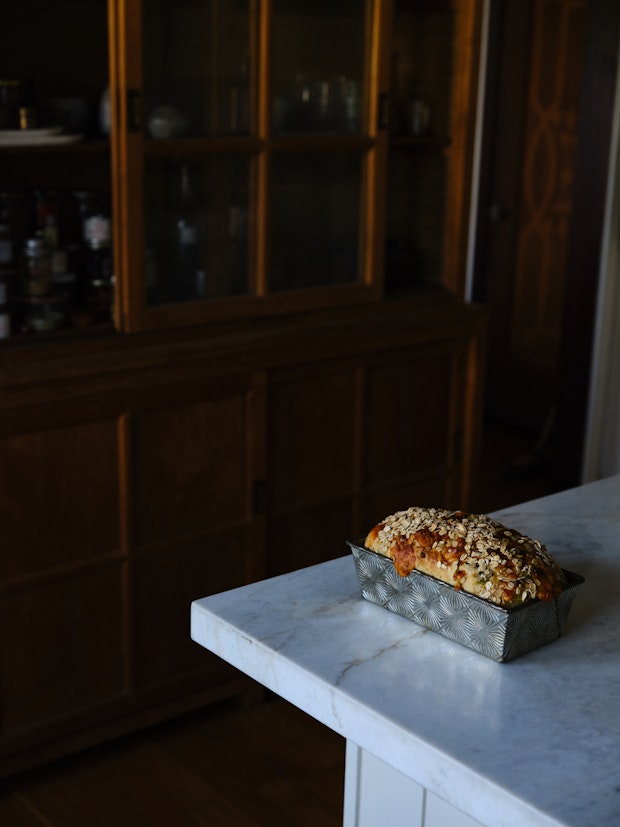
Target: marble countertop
x,y
535,741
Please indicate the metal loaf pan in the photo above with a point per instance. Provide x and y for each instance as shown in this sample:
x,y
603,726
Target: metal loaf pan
x,y
499,633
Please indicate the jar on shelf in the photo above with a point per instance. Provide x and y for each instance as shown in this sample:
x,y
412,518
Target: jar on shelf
x,y
97,230
98,268
47,217
38,267
45,313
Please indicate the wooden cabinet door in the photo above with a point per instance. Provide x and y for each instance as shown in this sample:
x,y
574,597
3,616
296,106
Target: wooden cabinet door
x,y
351,441
413,427
115,513
433,53
62,570
312,445
195,456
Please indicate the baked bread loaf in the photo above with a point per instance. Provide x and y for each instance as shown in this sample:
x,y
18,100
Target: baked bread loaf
x,y
472,552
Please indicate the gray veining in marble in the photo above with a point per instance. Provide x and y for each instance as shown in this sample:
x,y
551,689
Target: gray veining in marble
x,y
535,741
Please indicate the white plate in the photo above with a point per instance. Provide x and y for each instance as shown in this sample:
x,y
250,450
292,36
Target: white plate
x,y
52,136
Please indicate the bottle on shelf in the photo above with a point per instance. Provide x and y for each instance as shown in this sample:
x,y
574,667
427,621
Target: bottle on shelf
x,y
47,218
56,263
190,276
90,258
38,267
98,267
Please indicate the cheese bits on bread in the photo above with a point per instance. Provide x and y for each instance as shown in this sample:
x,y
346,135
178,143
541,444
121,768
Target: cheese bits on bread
x,y
471,552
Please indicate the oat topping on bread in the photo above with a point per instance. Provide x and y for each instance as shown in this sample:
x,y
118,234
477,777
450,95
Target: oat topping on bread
x,y
470,551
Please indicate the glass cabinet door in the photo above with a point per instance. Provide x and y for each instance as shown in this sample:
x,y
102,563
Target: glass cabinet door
x,y
319,66
251,157
318,82
196,70
431,133
196,64
196,227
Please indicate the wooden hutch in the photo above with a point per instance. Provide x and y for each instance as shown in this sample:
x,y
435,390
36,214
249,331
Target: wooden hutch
x,y
285,355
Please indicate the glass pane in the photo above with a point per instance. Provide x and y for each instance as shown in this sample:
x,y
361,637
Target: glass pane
x,y
318,60
422,70
316,219
196,68
416,214
196,228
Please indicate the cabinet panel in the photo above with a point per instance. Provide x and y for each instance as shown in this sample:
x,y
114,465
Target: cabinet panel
x,y
165,582
196,461
308,537
413,428
409,428
58,487
311,436
62,646
191,467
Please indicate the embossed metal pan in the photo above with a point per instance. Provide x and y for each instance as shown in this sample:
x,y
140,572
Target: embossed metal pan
x,y
499,633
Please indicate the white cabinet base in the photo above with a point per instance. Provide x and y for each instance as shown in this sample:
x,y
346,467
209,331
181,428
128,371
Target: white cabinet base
x,y
376,794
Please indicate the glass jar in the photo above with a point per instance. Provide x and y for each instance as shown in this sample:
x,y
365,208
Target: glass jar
x,y
45,313
38,264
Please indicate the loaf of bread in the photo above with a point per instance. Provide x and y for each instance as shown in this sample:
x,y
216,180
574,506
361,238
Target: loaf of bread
x,y
472,552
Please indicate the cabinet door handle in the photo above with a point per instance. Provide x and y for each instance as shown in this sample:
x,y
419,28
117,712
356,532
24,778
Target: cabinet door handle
x,y
134,110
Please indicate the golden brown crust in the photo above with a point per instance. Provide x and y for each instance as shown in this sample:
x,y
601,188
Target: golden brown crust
x,y
472,552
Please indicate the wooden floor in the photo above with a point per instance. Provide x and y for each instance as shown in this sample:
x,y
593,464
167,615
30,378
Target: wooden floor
x,y
266,766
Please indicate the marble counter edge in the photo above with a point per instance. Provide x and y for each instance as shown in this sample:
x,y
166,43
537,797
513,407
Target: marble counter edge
x,y
337,709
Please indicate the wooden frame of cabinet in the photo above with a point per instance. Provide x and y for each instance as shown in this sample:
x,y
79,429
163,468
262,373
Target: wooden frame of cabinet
x,y
203,445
